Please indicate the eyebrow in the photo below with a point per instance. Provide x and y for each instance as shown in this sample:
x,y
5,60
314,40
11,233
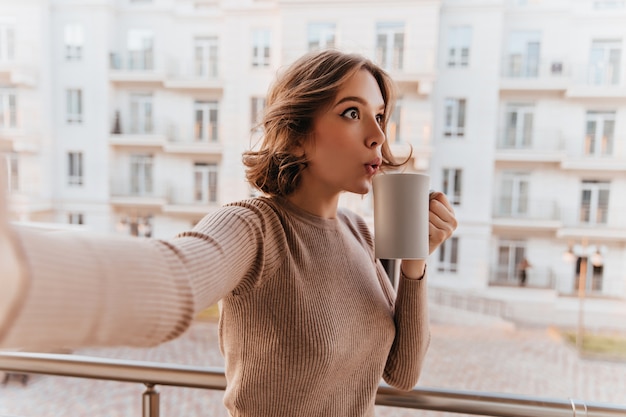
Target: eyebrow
x,y
357,99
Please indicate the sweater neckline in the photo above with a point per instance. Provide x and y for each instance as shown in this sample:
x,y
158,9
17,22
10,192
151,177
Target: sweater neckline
x,y
305,216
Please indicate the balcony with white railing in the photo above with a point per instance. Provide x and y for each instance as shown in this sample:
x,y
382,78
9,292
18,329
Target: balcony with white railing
x,y
135,67
600,80
594,222
16,74
191,201
188,140
534,146
590,153
193,75
127,131
145,194
526,215
529,73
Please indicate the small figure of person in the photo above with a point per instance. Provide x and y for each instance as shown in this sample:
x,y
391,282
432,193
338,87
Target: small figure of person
x,y
522,267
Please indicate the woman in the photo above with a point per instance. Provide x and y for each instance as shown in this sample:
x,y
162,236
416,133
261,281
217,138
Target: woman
x,y
308,320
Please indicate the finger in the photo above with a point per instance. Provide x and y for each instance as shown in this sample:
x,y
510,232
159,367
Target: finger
x,y
441,197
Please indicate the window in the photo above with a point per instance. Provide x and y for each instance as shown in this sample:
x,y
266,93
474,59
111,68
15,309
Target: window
x,y
390,45
599,133
8,109
519,126
261,40
7,42
73,42
140,226
594,202
74,100
205,127
141,168
604,62
454,117
593,276
205,183
393,125
449,255
13,172
140,50
459,42
141,114
511,253
257,107
75,218
451,186
321,36
524,51
75,168
205,55
514,194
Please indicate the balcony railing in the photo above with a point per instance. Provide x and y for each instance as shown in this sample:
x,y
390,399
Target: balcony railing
x,y
153,374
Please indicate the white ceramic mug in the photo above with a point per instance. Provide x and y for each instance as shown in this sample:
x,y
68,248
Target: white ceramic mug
x,y
401,203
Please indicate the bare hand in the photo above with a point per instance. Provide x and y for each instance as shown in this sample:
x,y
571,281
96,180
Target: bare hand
x,y
442,221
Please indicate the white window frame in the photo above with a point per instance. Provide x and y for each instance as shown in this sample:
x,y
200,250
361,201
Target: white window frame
x,y
74,41
524,54
511,252
141,174
605,62
599,133
451,184
257,107
13,171
141,113
514,194
390,40
8,109
140,47
459,46
206,121
7,41
75,168
519,120
261,47
455,111
594,202
321,35
74,105
206,49
205,183
75,218
449,255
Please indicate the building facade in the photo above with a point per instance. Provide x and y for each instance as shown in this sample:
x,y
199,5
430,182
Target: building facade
x,y
130,116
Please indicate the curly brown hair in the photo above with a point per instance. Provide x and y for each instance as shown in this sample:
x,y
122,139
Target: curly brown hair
x,y
306,88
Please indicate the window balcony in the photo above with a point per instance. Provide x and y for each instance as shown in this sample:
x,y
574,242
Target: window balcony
x,y
146,194
15,74
194,76
526,215
597,154
536,145
134,69
527,73
599,80
184,140
594,223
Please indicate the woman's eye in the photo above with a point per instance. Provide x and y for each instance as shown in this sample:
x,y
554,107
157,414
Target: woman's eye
x,y
380,118
351,113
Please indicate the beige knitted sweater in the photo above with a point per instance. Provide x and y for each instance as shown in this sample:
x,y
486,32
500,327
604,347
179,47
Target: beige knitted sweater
x,y
309,322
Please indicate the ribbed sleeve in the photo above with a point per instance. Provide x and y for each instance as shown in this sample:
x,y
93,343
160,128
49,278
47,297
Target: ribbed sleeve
x,y
99,290
412,334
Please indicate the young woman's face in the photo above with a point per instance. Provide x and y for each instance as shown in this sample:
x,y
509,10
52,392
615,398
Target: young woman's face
x,y
344,152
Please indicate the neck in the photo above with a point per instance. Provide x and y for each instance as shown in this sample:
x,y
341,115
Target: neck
x,y
324,207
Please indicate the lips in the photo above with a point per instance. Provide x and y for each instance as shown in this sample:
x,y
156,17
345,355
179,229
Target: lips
x,y
372,166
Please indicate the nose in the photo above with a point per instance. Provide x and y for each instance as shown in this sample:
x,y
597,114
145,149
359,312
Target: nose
x,y
375,134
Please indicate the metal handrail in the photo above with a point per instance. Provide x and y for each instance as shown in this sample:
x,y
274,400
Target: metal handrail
x,y
151,374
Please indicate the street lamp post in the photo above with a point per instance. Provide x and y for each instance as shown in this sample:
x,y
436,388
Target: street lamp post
x,y
596,260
